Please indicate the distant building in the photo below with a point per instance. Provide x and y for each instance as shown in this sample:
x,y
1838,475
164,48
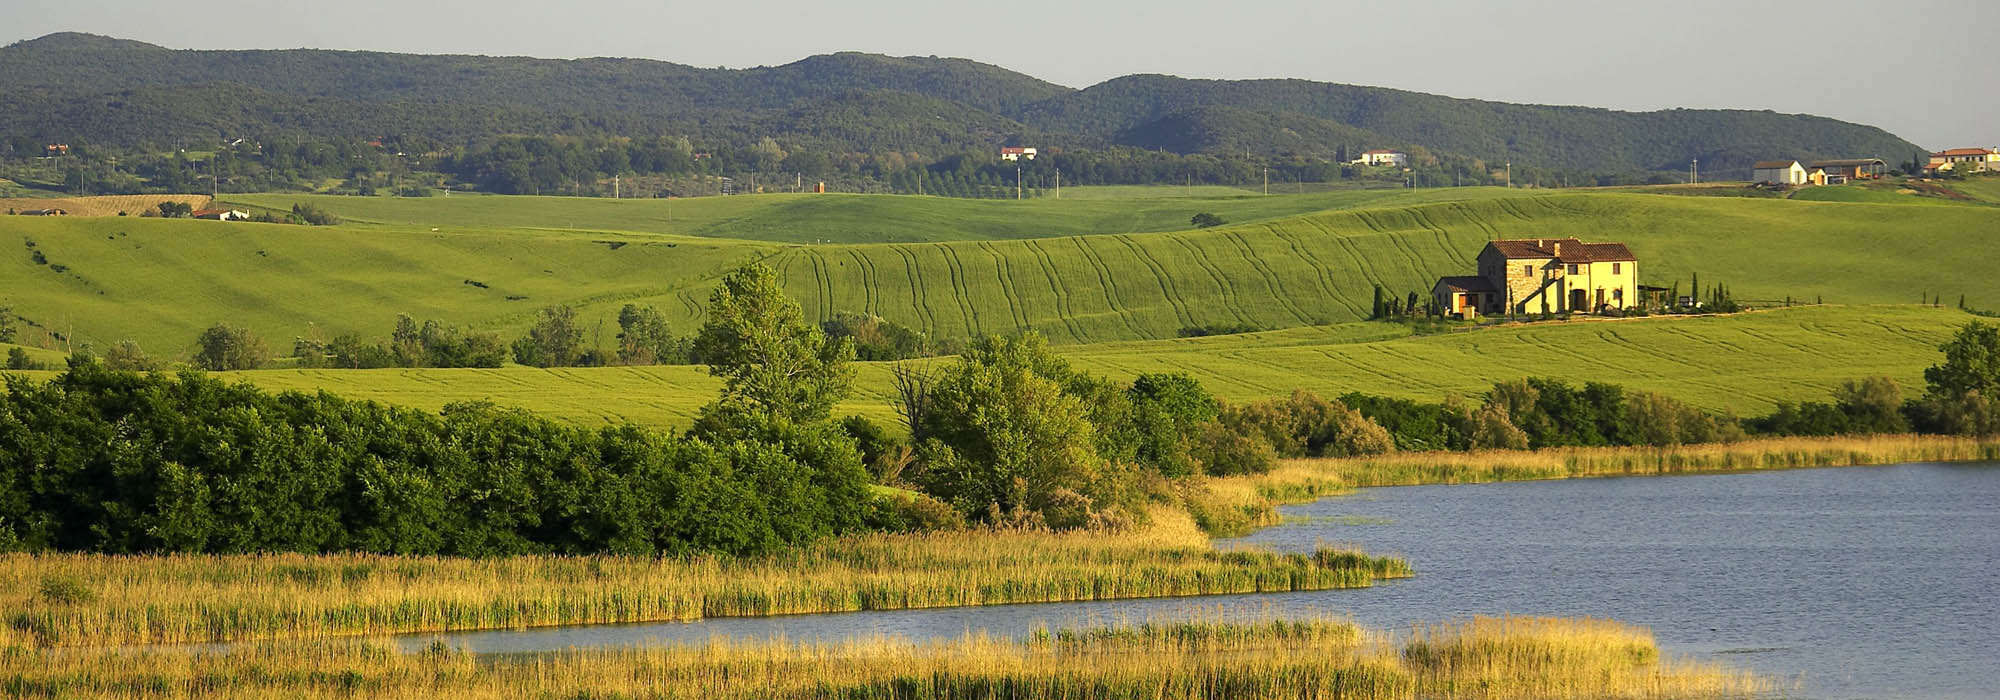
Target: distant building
x,y
1017,153
45,212
1543,275
1981,159
1847,169
55,149
1383,157
219,214
1778,172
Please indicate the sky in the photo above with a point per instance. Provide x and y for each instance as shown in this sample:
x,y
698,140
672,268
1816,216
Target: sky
x,y
1926,70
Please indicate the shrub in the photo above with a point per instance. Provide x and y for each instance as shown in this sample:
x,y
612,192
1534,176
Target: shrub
x,y
225,347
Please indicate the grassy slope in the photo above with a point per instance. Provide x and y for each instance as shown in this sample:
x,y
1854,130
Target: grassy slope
x,y
160,282
1742,363
1869,194
849,218
1985,188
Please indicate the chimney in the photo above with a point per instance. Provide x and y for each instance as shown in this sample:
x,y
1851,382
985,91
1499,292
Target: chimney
x,y
1559,249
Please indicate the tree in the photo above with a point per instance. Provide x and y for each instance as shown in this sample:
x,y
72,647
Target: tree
x,y
173,210
224,347
1963,394
1168,411
1007,444
18,359
643,338
6,325
554,341
1205,220
127,357
1971,363
313,215
772,362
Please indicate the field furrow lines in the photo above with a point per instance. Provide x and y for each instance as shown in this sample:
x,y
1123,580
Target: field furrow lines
x,y
1225,288
961,288
1059,290
920,301
1004,276
1168,290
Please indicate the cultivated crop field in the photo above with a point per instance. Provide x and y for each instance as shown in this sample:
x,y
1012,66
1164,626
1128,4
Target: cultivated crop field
x,y
106,205
160,282
852,218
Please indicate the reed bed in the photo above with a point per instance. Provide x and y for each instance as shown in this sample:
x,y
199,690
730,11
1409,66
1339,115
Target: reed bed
x,y
1487,658
1413,468
84,599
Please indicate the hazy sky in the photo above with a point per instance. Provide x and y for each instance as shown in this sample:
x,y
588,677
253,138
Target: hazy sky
x,y
1927,70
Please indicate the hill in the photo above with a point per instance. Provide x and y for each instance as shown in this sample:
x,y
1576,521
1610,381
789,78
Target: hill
x,y
161,281
103,90
850,218
1581,138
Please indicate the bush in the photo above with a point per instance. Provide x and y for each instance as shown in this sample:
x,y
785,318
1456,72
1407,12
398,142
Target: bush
x,y
554,341
127,357
905,511
18,359
1227,452
311,214
224,347
876,338
115,462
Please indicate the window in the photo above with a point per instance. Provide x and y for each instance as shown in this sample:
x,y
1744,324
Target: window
x,y
1527,269
1614,268
1572,268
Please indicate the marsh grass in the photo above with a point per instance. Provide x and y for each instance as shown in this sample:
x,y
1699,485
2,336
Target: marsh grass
x,y
84,599
1319,658
1412,468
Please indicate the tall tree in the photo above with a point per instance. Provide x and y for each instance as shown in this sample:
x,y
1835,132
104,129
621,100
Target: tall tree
x,y
771,360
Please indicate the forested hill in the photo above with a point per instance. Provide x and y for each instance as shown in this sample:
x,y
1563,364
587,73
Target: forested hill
x,y
1584,138
92,89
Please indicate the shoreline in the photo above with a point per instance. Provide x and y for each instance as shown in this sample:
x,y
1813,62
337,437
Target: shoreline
x,y
79,600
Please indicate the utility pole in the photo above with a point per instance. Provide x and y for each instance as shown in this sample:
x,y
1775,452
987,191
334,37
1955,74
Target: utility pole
x,y
617,192
1267,182
1017,183
1058,184
1510,174
1694,172
798,182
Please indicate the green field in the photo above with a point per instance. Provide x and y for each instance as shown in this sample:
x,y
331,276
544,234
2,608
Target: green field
x,y
160,281
852,218
1743,363
1871,194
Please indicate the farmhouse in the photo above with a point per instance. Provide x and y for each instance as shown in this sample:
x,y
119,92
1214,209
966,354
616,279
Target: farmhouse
x,y
1383,157
219,214
1841,171
1980,159
1017,153
1543,275
1778,172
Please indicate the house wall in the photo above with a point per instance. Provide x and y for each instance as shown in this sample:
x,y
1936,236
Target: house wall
x,y
1618,283
1795,175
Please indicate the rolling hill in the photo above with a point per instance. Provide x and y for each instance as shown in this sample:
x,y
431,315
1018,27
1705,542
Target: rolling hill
x,y
161,281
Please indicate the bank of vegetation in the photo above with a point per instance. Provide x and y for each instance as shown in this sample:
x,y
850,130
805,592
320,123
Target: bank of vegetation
x,y
1487,658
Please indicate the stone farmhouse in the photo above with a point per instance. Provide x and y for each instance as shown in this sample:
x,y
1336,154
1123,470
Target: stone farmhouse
x,y
1972,159
1543,275
1382,156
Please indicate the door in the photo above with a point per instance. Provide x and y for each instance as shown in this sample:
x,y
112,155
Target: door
x,y
1579,300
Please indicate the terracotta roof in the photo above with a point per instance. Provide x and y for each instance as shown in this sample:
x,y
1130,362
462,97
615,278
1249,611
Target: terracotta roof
x,y
1965,152
1774,164
1573,250
1464,283
1847,162
1378,151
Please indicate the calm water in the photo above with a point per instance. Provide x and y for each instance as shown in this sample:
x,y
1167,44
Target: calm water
x,y
1859,582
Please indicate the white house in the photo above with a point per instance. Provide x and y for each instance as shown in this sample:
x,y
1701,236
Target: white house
x,y
1017,153
1383,157
220,215
1778,172
1981,159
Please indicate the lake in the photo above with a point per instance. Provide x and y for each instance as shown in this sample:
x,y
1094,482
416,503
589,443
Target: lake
x,y
1858,582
